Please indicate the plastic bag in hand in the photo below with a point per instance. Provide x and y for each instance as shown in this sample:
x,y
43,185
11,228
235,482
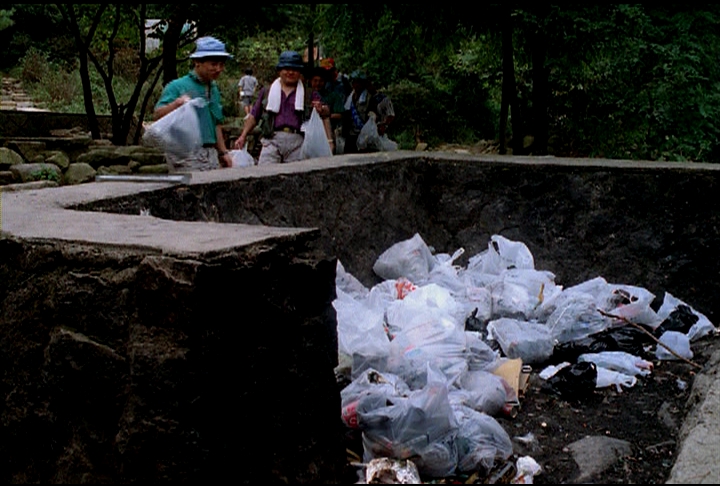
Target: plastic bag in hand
x,y
315,143
242,158
178,132
369,138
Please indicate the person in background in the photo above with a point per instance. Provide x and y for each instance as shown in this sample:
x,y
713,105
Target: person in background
x,y
337,89
280,111
363,100
208,64
246,90
385,111
318,78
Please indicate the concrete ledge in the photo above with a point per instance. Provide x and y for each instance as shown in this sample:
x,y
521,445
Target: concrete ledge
x,y
198,342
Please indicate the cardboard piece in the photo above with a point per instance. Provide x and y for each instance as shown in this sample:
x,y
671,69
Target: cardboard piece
x,y
515,374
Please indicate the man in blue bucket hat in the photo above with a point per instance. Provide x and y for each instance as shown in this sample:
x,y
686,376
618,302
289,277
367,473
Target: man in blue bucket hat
x,y
208,63
280,112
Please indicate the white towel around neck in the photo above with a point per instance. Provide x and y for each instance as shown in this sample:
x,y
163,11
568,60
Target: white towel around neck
x,y
275,95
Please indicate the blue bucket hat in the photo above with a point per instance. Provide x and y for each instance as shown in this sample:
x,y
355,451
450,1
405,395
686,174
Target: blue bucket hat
x,y
358,75
290,60
209,47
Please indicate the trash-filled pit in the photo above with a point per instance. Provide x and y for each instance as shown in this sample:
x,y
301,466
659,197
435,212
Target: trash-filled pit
x,y
436,364
419,315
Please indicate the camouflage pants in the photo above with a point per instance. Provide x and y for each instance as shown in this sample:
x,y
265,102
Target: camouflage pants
x,y
204,159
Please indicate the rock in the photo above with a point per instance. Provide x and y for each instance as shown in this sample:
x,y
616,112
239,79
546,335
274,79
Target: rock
x,y
9,158
594,454
36,172
69,132
153,169
103,156
6,177
58,158
78,173
421,147
122,156
114,170
27,149
143,155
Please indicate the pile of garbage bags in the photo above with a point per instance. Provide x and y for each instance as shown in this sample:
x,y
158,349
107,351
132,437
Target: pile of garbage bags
x,y
420,352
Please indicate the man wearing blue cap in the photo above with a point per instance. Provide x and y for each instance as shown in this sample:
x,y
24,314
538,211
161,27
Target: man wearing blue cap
x,y
208,63
280,111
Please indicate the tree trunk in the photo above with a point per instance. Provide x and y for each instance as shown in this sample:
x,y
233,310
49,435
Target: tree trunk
x,y
171,41
68,13
311,43
540,87
509,98
92,119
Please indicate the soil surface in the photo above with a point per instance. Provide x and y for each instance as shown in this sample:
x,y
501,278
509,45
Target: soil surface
x,y
648,416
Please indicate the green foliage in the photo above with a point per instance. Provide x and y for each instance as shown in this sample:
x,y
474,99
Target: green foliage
x,y
625,80
642,82
34,66
50,85
59,90
45,174
413,51
36,26
6,19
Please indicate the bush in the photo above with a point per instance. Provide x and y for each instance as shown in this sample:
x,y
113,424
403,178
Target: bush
x,y
63,88
457,112
34,66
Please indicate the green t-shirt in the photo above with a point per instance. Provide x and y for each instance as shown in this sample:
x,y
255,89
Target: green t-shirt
x,y
210,115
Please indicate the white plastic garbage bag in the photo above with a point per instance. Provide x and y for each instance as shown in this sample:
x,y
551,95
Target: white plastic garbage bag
x,y
422,426
369,138
519,292
619,361
409,258
502,254
607,377
529,341
701,328
387,144
482,441
361,333
315,143
178,132
678,342
427,335
242,158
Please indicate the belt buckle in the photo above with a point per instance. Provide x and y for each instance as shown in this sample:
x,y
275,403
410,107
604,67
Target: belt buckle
x,y
287,130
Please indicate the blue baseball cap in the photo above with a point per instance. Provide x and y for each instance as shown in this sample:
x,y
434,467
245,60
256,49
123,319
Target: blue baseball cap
x,y
209,47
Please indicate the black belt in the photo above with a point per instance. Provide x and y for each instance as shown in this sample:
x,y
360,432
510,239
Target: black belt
x,y
208,145
286,130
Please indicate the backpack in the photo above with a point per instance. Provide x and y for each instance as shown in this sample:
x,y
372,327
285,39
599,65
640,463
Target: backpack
x,y
267,118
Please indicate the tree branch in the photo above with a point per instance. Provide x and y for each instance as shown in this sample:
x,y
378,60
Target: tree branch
x,y
637,326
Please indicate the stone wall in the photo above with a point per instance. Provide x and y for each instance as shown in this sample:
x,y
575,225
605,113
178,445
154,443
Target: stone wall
x,y
198,343
125,366
71,160
43,123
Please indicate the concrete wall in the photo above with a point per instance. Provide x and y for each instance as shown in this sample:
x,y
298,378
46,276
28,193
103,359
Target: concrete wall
x,y
173,347
645,224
